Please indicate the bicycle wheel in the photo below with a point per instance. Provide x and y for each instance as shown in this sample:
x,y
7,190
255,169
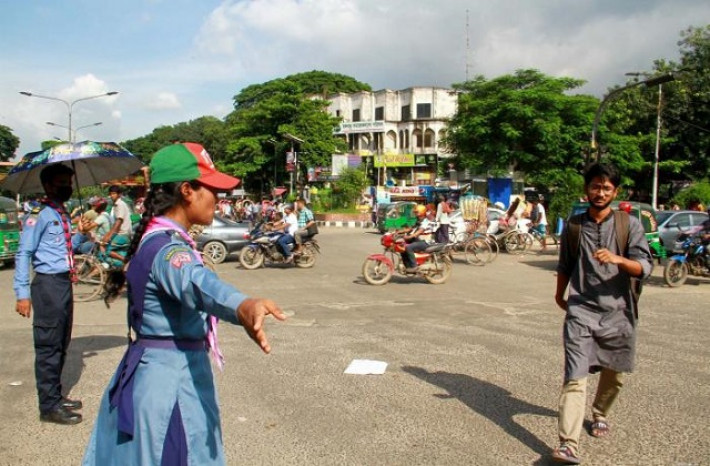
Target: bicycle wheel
x,y
478,252
90,278
493,244
526,241
511,241
460,240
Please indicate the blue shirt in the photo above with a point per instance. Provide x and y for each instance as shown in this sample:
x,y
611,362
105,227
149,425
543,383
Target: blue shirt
x,y
42,243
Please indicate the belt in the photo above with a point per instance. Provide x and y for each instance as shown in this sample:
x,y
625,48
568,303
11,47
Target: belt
x,y
60,274
121,392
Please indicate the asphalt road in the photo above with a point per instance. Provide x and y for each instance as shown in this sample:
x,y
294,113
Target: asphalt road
x,y
474,370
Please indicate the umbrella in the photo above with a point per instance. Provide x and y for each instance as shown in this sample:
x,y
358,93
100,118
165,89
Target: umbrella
x,y
92,162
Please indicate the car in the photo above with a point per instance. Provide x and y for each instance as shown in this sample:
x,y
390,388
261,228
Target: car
x,y
222,238
672,223
459,226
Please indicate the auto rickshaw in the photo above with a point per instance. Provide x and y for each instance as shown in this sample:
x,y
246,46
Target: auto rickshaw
x,y
395,215
646,215
9,230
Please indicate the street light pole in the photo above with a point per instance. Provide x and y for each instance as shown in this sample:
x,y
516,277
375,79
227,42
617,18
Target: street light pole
x,y
654,186
69,104
614,93
74,131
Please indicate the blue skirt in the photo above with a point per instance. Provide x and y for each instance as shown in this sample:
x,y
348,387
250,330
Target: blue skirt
x,y
175,415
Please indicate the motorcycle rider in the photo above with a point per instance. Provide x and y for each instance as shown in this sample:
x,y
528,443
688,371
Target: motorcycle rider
x,y
412,237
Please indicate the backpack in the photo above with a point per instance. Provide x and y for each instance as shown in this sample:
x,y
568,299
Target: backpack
x,y
621,227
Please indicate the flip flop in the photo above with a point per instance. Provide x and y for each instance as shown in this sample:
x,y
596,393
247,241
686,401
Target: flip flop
x,y
599,429
564,454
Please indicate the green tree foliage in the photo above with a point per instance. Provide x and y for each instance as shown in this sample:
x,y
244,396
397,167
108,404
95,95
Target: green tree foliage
x,y
8,143
524,122
207,130
348,187
698,192
263,113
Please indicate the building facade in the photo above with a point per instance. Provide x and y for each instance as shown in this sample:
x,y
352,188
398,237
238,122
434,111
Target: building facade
x,y
398,134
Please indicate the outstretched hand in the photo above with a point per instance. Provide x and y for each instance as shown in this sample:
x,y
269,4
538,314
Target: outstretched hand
x,y
251,315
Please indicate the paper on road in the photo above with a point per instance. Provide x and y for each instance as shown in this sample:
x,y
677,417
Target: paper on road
x,y
366,367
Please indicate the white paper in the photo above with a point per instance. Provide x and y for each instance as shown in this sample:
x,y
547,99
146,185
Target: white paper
x,y
366,367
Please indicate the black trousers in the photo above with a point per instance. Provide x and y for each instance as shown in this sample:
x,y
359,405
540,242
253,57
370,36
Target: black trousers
x,y
53,306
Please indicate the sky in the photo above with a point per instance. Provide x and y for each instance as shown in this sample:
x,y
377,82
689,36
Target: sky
x,y
176,60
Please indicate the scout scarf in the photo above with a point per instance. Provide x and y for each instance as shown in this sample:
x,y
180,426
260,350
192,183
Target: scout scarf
x,y
163,224
66,224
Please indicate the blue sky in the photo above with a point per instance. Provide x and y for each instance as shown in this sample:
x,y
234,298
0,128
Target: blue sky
x,y
174,60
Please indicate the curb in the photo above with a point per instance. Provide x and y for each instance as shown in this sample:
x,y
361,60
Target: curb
x,y
322,223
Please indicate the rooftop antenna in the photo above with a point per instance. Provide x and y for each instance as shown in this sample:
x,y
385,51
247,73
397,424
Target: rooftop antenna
x,y
468,48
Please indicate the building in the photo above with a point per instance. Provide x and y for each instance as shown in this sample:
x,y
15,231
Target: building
x,y
398,134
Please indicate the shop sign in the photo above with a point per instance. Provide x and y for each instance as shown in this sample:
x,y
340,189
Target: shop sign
x,y
361,127
394,160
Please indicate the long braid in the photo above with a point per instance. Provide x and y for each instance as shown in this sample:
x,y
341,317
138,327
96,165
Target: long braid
x,y
160,198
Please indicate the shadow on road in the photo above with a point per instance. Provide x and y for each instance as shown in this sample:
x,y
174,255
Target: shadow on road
x,y
82,348
491,401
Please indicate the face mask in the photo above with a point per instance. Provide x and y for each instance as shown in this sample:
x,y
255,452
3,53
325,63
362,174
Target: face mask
x,y
64,193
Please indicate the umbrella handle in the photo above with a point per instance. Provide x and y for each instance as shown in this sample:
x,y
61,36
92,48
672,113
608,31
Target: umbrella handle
x,y
76,179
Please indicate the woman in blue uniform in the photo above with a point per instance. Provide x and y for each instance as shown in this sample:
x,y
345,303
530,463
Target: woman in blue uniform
x,y
160,407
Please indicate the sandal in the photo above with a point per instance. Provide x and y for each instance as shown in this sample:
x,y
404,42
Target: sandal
x,y
564,454
599,429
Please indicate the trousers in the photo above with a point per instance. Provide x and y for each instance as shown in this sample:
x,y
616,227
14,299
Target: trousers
x,y
572,404
53,305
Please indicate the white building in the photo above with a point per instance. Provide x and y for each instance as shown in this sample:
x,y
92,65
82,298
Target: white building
x,y
399,133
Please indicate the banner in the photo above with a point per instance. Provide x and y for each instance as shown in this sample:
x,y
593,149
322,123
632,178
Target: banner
x,y
394,160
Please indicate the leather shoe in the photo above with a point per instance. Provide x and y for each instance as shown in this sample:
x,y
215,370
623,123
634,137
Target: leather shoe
x,y
71,404
411,269
61,416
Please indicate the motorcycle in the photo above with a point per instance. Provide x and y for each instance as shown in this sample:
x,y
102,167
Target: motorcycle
x,y
689,258
263,247
434,263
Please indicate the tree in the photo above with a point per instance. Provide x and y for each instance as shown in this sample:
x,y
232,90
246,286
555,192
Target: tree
x,y
8,143
293,105
207,130
349,186
521,122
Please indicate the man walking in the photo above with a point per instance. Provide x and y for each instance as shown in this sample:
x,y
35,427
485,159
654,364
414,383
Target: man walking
x,y
599,266
46,244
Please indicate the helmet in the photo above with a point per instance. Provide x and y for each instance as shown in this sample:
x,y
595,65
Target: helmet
x,y
420,210
499,205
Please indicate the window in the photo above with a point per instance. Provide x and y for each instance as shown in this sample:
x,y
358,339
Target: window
x,y
423,110
356,115
683,220
406,113
379,113
337,113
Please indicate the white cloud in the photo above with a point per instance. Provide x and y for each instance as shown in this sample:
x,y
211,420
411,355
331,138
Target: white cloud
x,y
164,101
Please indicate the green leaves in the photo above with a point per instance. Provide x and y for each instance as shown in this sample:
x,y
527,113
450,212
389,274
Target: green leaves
x,y
8,143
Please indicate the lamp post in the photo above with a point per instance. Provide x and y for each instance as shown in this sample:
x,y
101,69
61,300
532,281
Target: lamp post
x,y
658,80
74,131
273,143
656,155
69,104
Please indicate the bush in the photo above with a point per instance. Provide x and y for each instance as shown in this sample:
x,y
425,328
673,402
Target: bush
x,y
348,188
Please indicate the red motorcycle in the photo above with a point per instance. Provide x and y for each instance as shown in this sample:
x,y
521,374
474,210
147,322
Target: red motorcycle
x,y
434,263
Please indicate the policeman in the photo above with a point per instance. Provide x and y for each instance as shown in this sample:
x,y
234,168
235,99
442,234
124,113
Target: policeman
x,y
46,243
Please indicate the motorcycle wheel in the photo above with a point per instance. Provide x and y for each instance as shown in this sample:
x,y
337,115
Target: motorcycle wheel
x,y
478,252
307,258
443,272
376,272
251,258
675,273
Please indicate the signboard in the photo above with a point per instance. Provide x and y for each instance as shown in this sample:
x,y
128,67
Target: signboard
x,y
361,127
340,162
394,160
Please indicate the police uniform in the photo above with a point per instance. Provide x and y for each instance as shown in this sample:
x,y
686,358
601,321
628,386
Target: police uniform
x,y
43,244
161,405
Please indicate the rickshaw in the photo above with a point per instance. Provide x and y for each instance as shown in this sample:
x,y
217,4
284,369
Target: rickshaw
x,y
646,215
395,215
9,230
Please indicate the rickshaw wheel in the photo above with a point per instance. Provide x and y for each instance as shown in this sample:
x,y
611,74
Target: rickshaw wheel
x,y
376,272
478,252
90,278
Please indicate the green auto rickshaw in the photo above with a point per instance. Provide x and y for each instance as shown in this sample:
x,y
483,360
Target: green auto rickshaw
x,y
395,215
646,215
9,230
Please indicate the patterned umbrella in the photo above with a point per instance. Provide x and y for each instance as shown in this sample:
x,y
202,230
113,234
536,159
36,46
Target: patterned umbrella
x,y
93,163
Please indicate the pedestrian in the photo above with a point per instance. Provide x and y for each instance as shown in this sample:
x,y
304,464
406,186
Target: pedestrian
x,y
598,267
442,219
538,219
161,407
46,244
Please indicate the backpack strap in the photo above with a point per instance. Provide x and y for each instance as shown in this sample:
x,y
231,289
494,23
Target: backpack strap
x,y
622,226
574,236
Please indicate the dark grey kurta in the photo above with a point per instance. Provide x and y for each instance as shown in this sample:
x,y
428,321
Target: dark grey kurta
x,y
600,327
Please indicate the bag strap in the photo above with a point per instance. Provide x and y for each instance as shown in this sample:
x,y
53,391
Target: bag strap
x,y
574,236
621,225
